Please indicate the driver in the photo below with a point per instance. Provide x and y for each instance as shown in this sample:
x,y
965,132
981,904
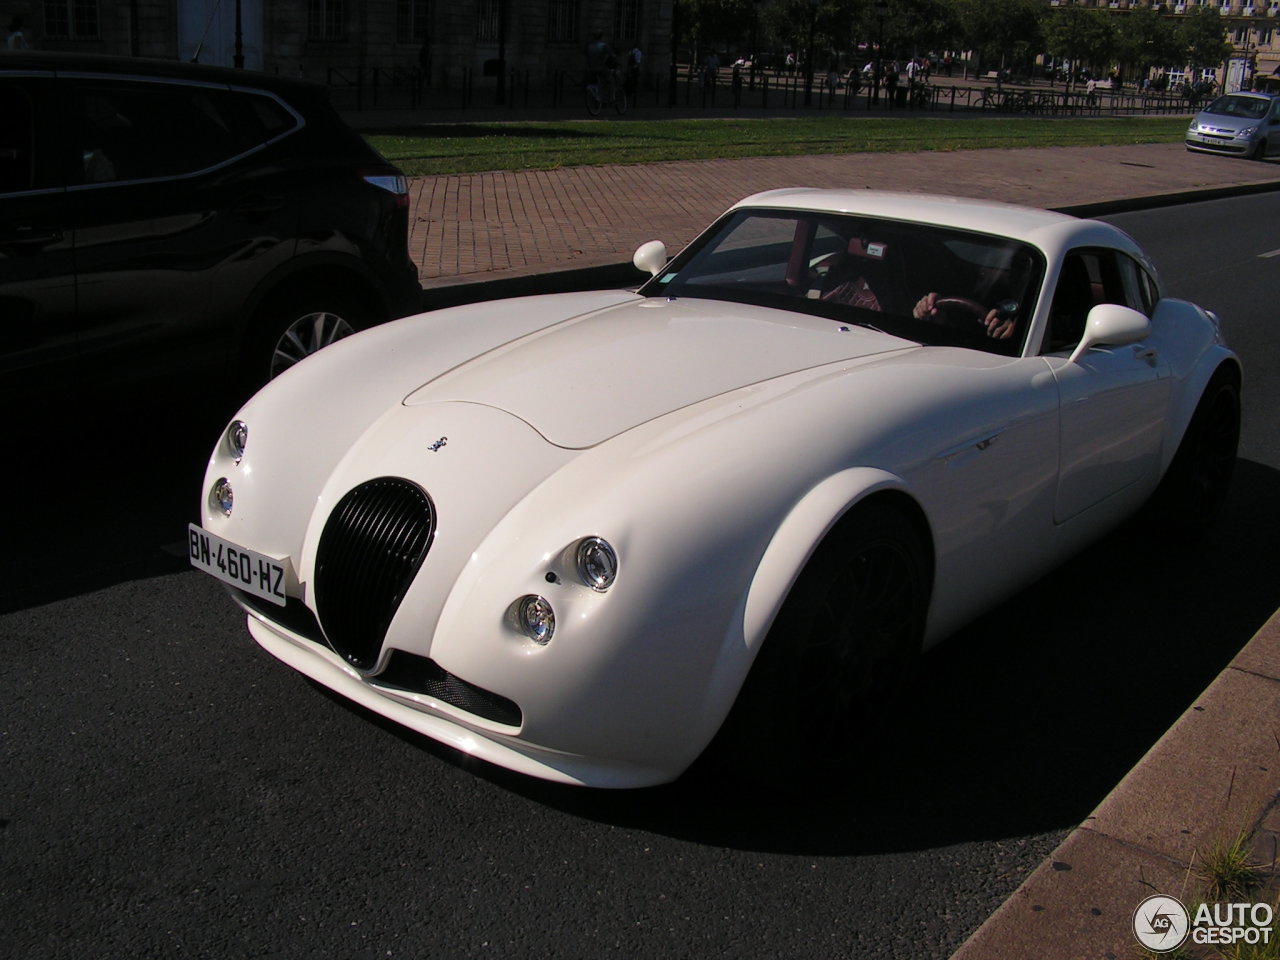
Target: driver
x,y
999,324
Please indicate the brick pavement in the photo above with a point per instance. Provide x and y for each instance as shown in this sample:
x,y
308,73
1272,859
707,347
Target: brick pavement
x,y
489,226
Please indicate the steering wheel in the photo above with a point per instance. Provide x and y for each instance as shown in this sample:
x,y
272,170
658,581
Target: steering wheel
x,y
950,304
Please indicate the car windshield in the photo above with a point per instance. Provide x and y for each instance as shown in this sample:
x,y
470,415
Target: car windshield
x,y
928,284
1251,108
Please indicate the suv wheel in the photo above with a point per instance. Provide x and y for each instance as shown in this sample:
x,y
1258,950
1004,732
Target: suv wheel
x,y
291,328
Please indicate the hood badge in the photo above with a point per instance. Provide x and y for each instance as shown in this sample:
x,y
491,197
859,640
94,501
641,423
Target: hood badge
x,y
438,444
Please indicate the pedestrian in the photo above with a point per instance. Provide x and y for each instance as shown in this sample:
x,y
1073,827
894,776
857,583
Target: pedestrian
x,y
16,39
891,84
600,59
634,57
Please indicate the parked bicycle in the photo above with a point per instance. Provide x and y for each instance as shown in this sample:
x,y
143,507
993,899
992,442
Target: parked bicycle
x,y
607,89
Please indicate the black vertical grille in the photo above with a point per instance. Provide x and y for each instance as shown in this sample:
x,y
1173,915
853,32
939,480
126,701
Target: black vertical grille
x,y
371,548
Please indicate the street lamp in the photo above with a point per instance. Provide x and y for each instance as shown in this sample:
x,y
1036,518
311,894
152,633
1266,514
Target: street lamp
x,y
881,11
808,57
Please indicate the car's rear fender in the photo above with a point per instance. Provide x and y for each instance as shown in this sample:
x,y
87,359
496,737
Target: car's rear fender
x,y
1190,342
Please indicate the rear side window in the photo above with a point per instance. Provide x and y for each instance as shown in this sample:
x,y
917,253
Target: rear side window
x,y
264,118
137,130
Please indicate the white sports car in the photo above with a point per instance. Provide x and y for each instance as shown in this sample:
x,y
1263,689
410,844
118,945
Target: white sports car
x,y
580,535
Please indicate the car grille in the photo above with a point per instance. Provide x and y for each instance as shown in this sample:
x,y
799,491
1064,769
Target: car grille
x,y
371,548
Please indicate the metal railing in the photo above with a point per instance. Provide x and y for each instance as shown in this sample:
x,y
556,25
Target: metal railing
x,y
735,89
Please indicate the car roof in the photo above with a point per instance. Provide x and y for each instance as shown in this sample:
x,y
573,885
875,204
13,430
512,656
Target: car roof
x,y
46,61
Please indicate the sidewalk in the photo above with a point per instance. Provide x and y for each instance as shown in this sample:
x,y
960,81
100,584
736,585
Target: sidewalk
x,y
472,228
1218,768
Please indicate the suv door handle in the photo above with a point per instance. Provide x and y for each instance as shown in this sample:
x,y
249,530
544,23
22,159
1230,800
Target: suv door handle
x,y
29,235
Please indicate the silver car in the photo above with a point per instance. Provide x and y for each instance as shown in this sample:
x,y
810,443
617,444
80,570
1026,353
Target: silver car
x,y
1244,124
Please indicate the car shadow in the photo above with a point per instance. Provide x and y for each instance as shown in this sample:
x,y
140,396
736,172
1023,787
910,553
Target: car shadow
x,y
102,497
1018,725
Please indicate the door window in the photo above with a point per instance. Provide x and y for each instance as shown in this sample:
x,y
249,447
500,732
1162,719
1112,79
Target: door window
x,y
141,130
1088,278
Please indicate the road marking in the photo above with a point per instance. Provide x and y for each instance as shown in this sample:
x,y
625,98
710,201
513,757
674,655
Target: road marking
x,y
1272,253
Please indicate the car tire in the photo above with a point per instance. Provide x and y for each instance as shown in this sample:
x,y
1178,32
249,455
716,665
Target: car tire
x,y
291,326
818,687
1194,488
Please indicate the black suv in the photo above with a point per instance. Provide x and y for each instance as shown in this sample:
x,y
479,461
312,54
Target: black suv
x,y
183,228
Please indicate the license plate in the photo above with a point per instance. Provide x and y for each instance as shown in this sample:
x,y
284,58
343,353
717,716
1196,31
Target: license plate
x,y
247,570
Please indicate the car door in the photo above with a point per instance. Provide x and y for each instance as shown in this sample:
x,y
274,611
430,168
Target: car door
x,y
1113,398
37,264
172,227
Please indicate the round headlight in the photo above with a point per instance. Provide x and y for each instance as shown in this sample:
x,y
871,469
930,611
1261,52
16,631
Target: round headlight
x,y
221,496
597,563
237,438
536,619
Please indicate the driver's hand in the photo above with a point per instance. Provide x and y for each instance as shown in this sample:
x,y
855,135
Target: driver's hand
x,y
998,328
925,307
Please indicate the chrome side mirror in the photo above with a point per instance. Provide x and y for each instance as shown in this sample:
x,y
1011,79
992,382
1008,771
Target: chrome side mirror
x,y
651,257
1110,324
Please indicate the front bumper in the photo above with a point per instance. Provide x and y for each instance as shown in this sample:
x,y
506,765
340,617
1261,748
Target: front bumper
x,y
455,726
1219,143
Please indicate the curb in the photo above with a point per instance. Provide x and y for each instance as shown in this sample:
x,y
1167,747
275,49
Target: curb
x,y
1145,837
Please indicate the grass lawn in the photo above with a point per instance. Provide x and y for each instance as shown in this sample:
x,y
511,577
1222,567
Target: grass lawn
x,y
442,148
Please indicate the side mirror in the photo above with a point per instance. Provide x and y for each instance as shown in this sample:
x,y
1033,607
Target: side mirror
x,y
651,257
1110,324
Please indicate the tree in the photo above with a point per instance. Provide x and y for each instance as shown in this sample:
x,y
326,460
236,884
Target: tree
x,y
1001,31
1083,36
1204,38
1145,40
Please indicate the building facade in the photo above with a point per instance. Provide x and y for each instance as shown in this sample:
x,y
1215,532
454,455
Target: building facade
x,y
1252,27
451,44
442,42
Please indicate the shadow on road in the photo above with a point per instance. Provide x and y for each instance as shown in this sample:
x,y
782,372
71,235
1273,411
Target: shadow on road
x,y
1018,725
1021,723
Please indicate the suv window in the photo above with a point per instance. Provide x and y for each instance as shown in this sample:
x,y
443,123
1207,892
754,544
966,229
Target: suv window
x,y
140,130
17,141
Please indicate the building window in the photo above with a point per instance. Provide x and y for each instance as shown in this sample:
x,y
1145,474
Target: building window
x,y
412,20
1242,36
1265,35
626,21
489,13
325,20
71,19
562,22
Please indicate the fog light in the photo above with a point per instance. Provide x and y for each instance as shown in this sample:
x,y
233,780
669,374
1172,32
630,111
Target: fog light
x,y
237,438
597,563
222,497
536,619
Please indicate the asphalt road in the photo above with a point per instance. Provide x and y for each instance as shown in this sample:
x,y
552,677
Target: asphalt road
x,y
170,790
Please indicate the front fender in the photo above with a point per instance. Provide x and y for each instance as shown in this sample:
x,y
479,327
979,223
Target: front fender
x,y
799,534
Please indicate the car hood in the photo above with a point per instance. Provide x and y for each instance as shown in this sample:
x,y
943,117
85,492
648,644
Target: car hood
x,y
592,377
1223,123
